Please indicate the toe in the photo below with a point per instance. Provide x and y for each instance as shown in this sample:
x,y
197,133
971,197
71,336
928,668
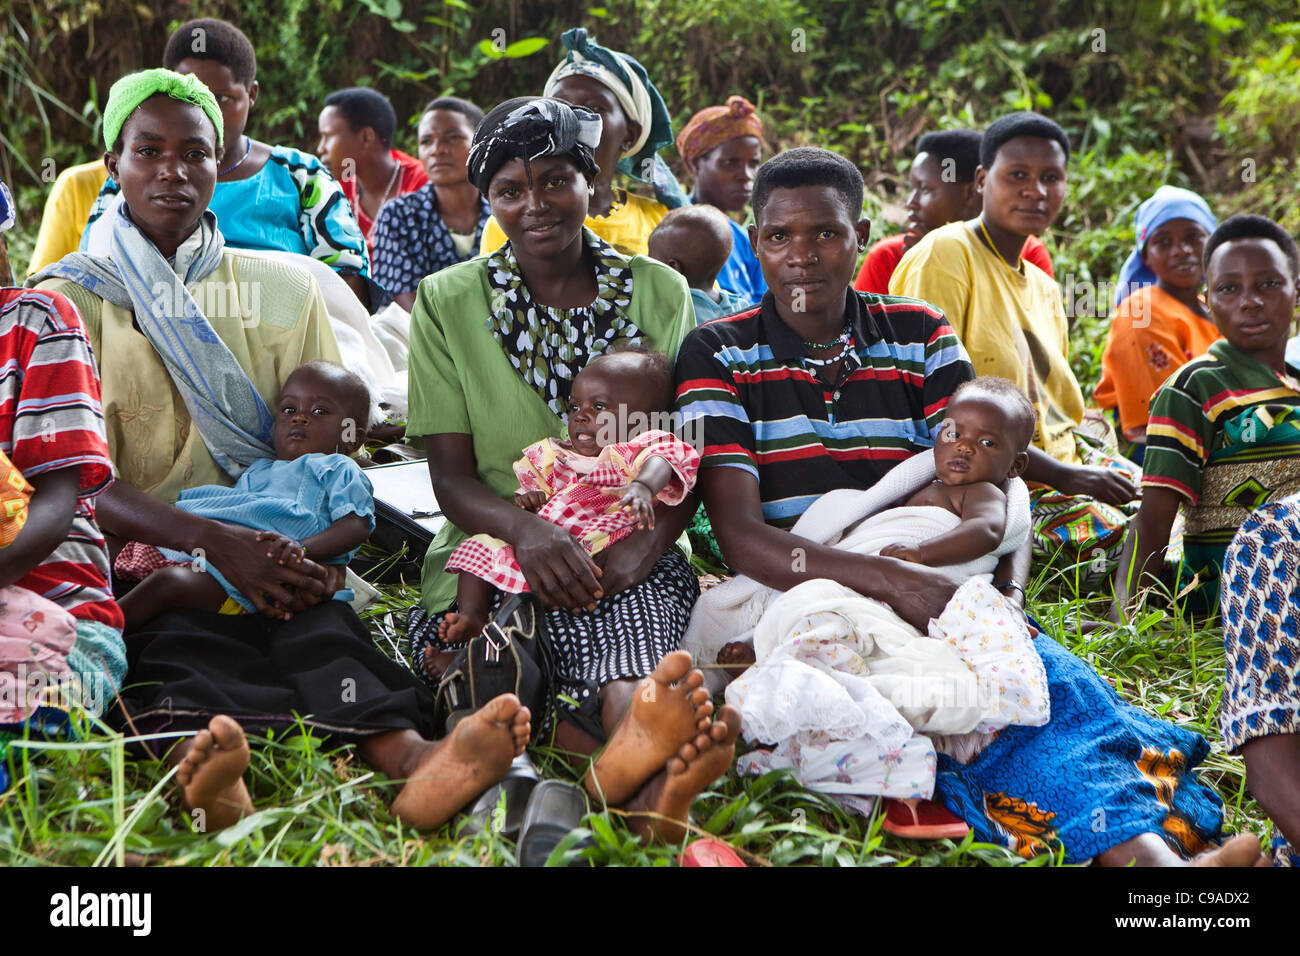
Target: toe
x,y
694,679
676,765
502,709
687,752
673,667
226,732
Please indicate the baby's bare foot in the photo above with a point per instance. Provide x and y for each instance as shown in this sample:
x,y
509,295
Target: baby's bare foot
x,y
737,657
669,708
212,775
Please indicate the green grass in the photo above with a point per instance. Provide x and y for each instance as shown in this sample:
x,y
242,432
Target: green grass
x,y
87,803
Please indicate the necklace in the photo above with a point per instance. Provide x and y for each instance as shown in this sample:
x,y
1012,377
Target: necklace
x,y
993,247
383,200
248,148
844,338
842,342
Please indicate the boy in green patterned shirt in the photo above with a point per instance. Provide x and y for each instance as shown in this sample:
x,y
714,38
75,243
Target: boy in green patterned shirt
x,y
1224,432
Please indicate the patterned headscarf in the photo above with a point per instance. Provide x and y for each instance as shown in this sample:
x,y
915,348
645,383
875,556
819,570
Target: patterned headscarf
x,y
1169,202
714,125
134,88
529,128
641,103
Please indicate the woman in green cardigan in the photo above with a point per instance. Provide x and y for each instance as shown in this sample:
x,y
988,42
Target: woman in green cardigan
x,y
495,345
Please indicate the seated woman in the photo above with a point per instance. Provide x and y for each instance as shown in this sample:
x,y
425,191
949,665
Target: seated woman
x,y
496,344
1032,786
1010,317
1223,436
1160,322
60,630
267,197
441,223
1260,710
942,183
635,126
189,365
721,147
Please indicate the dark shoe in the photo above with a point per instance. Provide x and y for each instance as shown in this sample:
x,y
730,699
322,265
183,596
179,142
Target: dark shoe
x,y
554,811
518,785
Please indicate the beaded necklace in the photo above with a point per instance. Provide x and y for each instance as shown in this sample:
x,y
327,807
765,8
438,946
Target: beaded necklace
x,y
843,341
248,148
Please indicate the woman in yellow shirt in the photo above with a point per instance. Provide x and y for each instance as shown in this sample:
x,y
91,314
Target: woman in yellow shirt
x,y
1009,315
635,127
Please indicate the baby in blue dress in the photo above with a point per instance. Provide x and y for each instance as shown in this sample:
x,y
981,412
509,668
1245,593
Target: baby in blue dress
x,y
311,501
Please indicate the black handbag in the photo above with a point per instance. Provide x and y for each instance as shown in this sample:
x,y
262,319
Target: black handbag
x,y
511,655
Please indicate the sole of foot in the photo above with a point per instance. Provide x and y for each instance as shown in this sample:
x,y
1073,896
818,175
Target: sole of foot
x,y
669,708
695,766
455,770
211,775
1241,850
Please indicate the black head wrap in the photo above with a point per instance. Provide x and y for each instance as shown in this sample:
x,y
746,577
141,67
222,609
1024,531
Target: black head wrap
x,y
529,128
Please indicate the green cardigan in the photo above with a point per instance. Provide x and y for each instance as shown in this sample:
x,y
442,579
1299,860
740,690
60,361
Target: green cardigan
x,y
461,381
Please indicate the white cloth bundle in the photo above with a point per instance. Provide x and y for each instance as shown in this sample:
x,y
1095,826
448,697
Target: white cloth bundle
x,y
732,609
850,694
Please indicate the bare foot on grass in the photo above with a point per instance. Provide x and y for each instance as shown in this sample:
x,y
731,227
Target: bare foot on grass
x,y
669,708
1241,850
452,772
736,658
695,766
211,774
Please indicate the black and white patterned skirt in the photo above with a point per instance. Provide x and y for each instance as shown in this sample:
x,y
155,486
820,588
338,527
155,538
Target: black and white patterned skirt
x,y
624,638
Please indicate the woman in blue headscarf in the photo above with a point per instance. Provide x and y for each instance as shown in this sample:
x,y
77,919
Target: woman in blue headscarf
x,y
1160,321
635,126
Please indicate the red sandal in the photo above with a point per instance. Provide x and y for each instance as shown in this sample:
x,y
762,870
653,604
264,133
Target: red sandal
x,y
922,820
710,853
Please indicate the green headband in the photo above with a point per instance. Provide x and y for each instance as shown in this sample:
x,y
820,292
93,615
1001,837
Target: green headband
x,y
134,88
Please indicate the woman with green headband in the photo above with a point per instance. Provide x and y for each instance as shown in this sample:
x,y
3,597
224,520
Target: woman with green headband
x,y
193,341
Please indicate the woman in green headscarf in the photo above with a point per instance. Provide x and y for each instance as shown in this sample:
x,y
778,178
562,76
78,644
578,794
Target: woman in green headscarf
x,y
635,126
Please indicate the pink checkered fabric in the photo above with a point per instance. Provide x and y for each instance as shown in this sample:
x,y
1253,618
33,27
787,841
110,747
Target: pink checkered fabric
x,y
584,495
137,561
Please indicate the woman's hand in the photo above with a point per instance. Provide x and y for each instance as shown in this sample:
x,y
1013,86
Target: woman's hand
x,y
915,592
1101,484
556,568
628,562
274,589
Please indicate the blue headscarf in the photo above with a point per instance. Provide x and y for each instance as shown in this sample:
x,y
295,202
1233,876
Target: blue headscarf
x,y
1169,202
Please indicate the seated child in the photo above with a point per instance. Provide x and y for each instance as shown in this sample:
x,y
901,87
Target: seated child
x,y
311,501
982,445
597,487
696,241
1224,433
60,630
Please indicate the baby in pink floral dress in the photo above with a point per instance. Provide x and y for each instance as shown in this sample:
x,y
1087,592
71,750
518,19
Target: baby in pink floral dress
x,y
595,486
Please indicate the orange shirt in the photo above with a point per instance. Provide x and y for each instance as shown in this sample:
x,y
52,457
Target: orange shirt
x,y
411,178
1151,336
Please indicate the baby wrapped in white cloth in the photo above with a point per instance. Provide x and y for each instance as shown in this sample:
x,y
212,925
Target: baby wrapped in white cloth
x,y
853,698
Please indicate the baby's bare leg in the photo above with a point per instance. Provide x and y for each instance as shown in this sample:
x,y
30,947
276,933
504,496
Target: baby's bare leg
x,y
176,588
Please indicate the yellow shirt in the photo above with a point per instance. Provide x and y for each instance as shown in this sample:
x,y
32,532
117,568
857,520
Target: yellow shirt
x,y
1011,322
270,315
627,227
66,210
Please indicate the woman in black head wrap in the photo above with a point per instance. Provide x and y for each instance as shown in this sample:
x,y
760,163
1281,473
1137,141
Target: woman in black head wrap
x,y
495,345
